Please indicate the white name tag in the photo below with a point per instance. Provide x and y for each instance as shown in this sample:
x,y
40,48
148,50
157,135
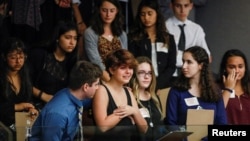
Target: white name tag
x,y
179,58
162,47
144,112
232,95
191,101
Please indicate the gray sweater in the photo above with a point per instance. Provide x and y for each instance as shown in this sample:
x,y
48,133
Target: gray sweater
x,y
91,46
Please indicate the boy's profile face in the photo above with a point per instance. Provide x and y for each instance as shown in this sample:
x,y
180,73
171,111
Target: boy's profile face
x,y
91,89
181,9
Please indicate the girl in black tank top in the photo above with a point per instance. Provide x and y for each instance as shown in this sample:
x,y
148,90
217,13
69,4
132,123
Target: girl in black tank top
x,y
124,130
115,110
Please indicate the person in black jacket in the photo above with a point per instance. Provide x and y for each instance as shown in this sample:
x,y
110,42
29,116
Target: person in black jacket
x,y
149,37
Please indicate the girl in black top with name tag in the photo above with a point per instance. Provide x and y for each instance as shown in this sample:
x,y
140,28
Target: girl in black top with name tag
x,y
143,86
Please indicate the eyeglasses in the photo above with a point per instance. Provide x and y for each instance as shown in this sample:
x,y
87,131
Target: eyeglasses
x,y
143,73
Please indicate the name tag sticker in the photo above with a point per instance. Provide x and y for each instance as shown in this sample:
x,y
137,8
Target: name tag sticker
x,y
162,47
144,112
191,101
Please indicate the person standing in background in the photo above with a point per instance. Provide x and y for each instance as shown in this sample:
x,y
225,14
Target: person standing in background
x,y
186,32
105,33
235,83
163,5
149,37
164,8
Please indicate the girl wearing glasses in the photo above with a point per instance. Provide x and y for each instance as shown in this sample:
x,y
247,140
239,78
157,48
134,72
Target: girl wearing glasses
x,y
143,85
15,83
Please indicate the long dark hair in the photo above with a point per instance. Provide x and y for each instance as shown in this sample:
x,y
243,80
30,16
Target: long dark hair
x,y
209,91
138,30
246,78
116,25
61,28
134,84
9,45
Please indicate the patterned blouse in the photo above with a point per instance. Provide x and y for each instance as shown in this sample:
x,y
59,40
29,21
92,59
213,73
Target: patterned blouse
x,y
105,46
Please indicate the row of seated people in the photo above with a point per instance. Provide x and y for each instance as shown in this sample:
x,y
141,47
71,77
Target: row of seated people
x,y
140,102
50,69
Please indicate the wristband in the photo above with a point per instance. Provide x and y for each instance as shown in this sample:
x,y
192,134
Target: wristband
x,y
40,94
229,90
232,92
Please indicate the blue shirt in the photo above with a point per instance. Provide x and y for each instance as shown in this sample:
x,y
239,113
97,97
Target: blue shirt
x,y
177,108
58,120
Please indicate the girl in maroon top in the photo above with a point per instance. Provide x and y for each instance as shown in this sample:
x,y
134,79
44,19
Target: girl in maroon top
x,y
234,78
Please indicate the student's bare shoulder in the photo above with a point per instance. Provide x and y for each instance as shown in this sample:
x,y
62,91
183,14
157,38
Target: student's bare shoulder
x,y
101,93
101,89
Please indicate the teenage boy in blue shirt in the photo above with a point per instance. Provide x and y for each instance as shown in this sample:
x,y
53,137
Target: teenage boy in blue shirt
x,y
59,119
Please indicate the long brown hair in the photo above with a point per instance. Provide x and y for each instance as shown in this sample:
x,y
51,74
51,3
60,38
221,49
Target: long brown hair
x,y
134,84
209,90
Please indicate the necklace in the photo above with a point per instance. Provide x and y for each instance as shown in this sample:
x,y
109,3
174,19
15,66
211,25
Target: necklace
x,y
108,37
150,114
